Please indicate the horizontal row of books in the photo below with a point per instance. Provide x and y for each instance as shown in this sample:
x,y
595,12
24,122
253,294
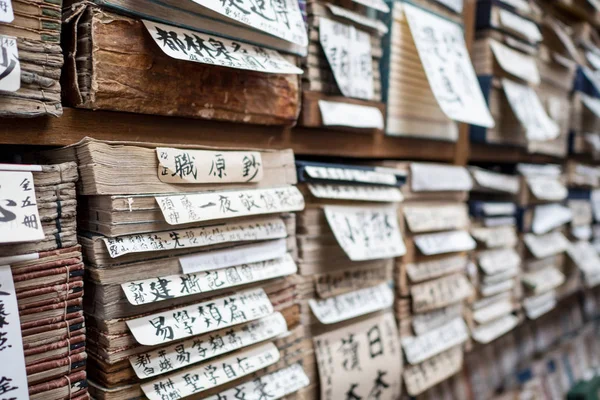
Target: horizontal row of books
x,y
532,81
223,273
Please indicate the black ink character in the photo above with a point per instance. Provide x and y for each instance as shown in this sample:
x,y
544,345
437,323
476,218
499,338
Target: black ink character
x,y
161,330
185,166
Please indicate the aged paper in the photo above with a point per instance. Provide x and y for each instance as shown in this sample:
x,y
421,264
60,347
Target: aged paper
x,y
585,257
549,216
419,378
537,306
356,193
364,117
493,311
498,209
549,244
424,270
10,66
337,173
426,218
378,5
498,236
524,27
6,11
454,5
19,216
543,280
444,242
360,361
496,261
360,19
547,188
426,177
440,292
204,166
425,322
486,333
419,348
495,181
340,282
516,63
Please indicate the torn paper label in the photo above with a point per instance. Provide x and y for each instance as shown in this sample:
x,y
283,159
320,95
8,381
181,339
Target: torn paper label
x,y
10,66
363,117
19,215
204,166
426,177
516,63
426,218
444,242
419,348
204,48
356,193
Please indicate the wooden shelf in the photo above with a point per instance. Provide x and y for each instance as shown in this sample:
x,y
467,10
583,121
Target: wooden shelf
x,y
507,154
76,124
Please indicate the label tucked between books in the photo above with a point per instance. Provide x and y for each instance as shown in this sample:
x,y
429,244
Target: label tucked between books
x,y
520,25
334,113
419,378
444,242
426,177
356,193
428,218
516,63
19,216
549,216
6,11
10,66
419,348
440,292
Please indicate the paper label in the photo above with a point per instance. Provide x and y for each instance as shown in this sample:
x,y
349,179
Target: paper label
x,y
360,361
366,233
19,216
543,280
582,232
542,246
495,209
378,5
360,19
537,306
272,386
13,376
516,63
521,5
528,109
486,333
348,52
351,305
187,208
493,311
204,166
419,348
591,103
593,59
496,261
200,318
440,292
204,48
10,66
546,188
351,175
209,375
282,19
549,216
423,323
340,282
582,212
217,259
260,229
357,193
439,178
6,11
444,242
495,181
445,59
428,218
192,351
454,5
585,257
499,221
364,117
533,170
500,236
174,286
496,288
418,272
419,378
522,26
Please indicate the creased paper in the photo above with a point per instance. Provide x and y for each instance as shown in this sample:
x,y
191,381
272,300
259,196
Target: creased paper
x,y
19,216
419,348
516,63
426,218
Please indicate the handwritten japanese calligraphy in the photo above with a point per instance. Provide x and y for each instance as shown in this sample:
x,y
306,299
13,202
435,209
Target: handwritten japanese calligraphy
x,y
419,348
187,45
19,216
424,270
425,322
10,66
351,175
360,361
440,292
201,348
358,193
339,282
436,217
200,318
197,207
419,378
6,11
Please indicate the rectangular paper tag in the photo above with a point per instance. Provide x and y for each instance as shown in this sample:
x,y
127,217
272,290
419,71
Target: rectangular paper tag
x,y
339,282
444,242
19,216
357,193
180,323
419,348
337,173
198,349
496,261
6,11
10,66
423,323
454,5
516,63
542,246
585,257
493,311
428,218
378,5
364,117
499,236
424,270
549,216
543,280
537,306
419,378
426,177
204,48
209,206
360,359
204,166
547,188
489,332
520,25
440,292
495,181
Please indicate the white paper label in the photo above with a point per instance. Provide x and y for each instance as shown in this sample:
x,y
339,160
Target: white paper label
x,y
204,166
260,229
360,19
360,361
439,178
543,280
593,59
282,19
351,305
486,333
6,11
444,242
537,306
496,288
522,26
419,348
356,193
192,351
10,66
493,311
183,44
440,292
200,318
426,218
419,378
217,259
187,208
19,216
445,59
585,257
418,272
174,286
500,236
549,216
272,386
378,5
582,232
542,246
516,63
13,376
334,113
348,52
366,233
209,375
423,323
533,170
528,109
335,173
547,188
495,181
496,209
454,5
521,5
496,261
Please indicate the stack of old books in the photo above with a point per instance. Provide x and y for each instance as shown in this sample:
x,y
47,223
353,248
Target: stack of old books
x,y
431,279
494,227
188,251
348,236
31,58
42,331
428,81
230,50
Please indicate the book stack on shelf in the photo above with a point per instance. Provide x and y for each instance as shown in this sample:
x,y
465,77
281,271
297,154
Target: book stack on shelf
x,y
42,330
496,307
188,254
348,236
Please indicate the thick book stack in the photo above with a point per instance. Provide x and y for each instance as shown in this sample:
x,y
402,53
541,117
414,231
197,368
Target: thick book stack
x,y
428,81
31,58
207,67
348,236
42,330
188,255
498,264
431,279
